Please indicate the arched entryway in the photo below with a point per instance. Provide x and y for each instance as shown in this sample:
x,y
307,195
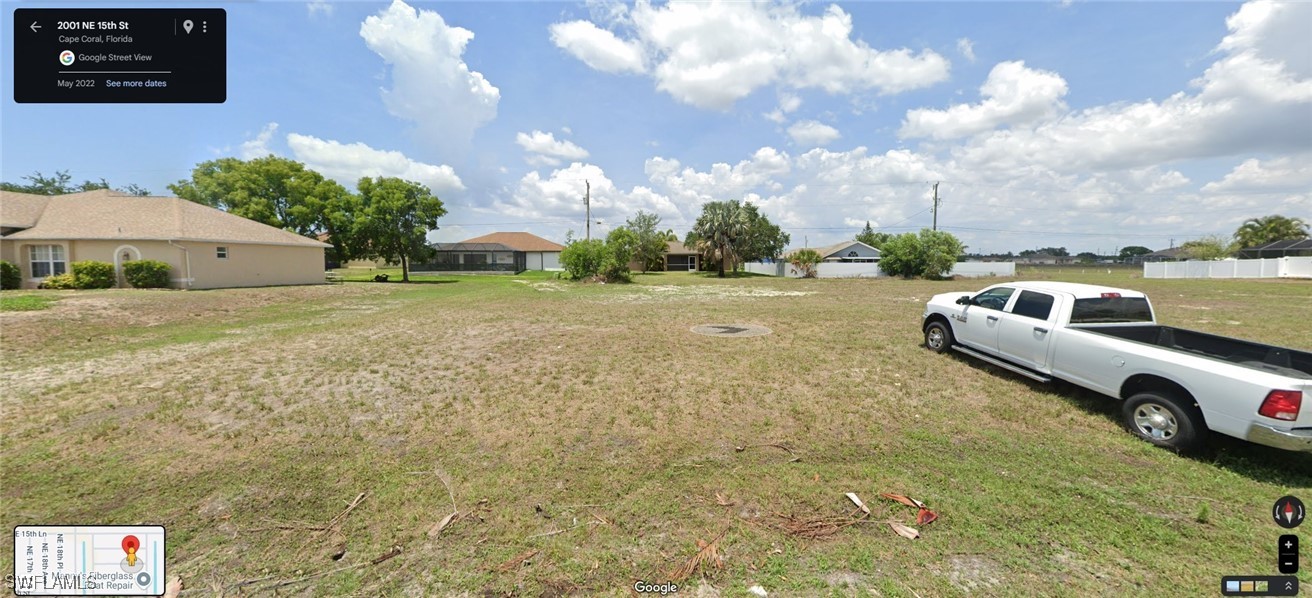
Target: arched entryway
x,y
122,255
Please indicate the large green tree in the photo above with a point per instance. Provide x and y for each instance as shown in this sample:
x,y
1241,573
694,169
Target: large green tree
x,y
872,238
650,248
276,191
62,183
720,229
761,238
930,254
1269,229
1134,251
393,220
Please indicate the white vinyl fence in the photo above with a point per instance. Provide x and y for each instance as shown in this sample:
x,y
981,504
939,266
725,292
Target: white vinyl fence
x,y
1281,267
871,270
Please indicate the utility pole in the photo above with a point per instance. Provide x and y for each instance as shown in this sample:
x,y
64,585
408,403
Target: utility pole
x,y
587,203
935,206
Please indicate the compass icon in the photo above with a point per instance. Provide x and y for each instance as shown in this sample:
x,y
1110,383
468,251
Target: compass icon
x,y
1288,512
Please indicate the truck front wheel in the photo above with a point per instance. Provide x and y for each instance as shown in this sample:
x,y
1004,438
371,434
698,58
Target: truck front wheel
x,y
1165,420
938,337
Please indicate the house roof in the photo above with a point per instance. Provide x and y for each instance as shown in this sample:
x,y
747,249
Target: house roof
x,y
1172,252
1285,245
830,250
677,248
518,241
467,246
105,214
20,210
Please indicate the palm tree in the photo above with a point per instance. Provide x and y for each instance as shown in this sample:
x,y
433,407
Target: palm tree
x,y
1269,229
719,228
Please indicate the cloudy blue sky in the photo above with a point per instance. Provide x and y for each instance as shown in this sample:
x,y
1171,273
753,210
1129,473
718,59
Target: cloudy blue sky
x,y
1087,125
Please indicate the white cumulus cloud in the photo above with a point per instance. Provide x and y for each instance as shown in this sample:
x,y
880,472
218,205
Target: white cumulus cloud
x,y
545,149
710,55
348,162
1284,173
258,146
966,48
431,84
810,133
597,47
1013,95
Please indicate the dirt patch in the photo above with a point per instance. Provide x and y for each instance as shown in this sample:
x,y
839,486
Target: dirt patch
x,y
663,293
972,573
546,287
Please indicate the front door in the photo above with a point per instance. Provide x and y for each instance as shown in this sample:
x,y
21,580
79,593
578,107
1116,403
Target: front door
x,y
692,263
978,326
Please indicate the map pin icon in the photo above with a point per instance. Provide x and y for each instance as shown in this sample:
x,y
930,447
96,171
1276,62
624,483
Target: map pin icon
x,y
186,25
130,545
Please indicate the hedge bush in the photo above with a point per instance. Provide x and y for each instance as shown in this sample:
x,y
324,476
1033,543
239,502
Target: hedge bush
x,y
10,276
93,275
147,274
59,281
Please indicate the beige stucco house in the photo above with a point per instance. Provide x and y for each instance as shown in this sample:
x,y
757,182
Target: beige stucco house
x,y
207,248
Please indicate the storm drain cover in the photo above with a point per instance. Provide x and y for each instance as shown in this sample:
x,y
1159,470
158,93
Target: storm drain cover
x,y
736,330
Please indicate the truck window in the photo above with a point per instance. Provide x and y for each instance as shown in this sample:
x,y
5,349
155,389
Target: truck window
x,y
1033,305
1111,309
993,298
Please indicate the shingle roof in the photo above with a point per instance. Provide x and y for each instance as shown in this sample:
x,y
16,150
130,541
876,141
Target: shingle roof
x,y
467,246
829,250
20,210
518,241
677,248
105,214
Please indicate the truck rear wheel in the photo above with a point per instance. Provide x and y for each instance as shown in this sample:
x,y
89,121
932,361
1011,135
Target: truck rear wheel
x,y
938,337
1165,420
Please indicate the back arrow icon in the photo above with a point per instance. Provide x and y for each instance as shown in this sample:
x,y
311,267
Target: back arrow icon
x,y
34,27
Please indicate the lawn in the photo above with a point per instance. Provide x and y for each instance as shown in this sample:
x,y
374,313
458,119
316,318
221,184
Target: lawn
x,y
15,301
588,440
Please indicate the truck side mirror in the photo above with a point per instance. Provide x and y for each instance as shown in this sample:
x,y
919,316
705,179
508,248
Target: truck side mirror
x,y
963,300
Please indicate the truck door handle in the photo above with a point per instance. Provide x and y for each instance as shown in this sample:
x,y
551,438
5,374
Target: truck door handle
x,y
1041,330
993,318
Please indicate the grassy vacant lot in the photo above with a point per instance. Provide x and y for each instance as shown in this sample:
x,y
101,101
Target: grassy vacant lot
x,y
588,440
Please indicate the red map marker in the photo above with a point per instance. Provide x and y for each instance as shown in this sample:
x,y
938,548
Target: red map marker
x,y
130,546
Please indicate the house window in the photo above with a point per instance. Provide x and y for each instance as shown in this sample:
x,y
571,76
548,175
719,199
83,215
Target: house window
x,y
852,254
221,253
46,260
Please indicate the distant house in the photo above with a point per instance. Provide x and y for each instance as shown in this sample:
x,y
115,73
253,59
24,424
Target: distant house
x,y
1286,248
206,248
495,252
847,251
1174,254
1044,258
680,258
539,253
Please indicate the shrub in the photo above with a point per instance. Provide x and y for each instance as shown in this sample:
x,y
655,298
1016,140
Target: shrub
x,y
804,261
10,277
59,281
582,259
147,274
93,275
930,254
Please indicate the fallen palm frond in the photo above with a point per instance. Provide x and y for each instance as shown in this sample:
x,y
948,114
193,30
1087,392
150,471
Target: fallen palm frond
x,y
706,552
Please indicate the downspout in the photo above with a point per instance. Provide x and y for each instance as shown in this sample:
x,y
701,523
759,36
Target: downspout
x,y
187,257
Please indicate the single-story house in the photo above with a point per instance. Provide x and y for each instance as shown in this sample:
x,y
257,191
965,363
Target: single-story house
x,y
679,258
473,257
1174,254
1046,259
539,253
207,248
1286,248
847,251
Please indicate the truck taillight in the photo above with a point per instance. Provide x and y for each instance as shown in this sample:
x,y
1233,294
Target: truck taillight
x,y
1111,295
1282,404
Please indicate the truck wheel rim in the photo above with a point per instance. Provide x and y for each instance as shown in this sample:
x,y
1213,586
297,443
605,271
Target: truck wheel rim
x,y
935,338
1155,421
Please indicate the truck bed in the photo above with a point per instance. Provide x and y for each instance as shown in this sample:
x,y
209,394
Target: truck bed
x,y
1267,358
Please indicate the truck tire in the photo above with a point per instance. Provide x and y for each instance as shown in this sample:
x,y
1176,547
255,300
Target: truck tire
x,y
1165,420
938,337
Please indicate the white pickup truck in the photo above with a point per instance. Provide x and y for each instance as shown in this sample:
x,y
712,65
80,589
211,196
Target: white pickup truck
x,y
1177,384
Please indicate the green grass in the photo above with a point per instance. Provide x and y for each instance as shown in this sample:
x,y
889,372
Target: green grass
x,y
223,414
11,302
